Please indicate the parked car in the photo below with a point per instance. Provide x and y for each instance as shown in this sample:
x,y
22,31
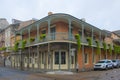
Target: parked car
x,y
116,63
103,64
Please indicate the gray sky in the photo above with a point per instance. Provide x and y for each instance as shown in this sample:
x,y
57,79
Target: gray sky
x,y
104,14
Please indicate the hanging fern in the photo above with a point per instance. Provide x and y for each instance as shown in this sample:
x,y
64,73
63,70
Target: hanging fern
x,y
2,48
98,47
110,48
42,36
77,37
23,44
32,39
16,46
117,49
89,39
104,46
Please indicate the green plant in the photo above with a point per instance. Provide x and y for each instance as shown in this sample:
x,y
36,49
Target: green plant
x,y
104,46
98,47
16,46
110,48
42,36
77,37
116,49
32,39
89,39
23,44
2,48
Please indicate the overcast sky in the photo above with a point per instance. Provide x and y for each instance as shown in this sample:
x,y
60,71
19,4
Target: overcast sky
x,y
104,14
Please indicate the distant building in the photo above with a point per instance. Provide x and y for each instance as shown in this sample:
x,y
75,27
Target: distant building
x,y
3,23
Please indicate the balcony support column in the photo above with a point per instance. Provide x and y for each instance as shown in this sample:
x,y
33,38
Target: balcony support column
x,y
38,35
49,54
69,33
106,48
100,45
49,30
14,55
93,54
21,52
28,63
83,55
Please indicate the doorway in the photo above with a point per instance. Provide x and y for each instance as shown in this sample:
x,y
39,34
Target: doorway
x,y
60,60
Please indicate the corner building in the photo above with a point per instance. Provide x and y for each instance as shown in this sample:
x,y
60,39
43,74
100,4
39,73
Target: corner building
x,y
51,45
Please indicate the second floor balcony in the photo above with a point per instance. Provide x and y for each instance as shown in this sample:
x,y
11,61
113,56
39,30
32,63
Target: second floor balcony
x,y
57,37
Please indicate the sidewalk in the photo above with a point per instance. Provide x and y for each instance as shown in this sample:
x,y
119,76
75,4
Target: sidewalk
x,y
60,72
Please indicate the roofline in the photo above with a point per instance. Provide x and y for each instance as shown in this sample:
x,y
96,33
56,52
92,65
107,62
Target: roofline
x,y
67,15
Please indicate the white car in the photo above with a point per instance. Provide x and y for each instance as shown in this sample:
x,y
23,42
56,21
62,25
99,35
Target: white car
x,y
116,63
103,64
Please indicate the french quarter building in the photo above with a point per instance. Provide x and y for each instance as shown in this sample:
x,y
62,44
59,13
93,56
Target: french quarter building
x,y
60,42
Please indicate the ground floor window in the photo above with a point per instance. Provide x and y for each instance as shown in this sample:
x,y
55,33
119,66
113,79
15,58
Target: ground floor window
x,y
57,57
25,59
86,57
43,58
72,59
94,57
60,57
30,60
63,58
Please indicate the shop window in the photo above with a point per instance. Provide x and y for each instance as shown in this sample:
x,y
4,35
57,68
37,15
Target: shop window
x,y
63,58
25,60
30,60
56,57
36,59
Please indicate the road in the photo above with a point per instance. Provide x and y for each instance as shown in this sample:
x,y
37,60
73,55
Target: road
x,y
11,74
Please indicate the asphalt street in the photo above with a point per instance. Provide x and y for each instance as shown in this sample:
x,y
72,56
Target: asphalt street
x,y
13,74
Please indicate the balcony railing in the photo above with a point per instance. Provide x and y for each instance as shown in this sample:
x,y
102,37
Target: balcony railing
x,y
60,36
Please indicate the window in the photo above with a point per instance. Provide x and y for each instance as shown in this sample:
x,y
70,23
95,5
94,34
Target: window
x,y
63,58
36,59
60,58
30,60
86,57
43,58
25,59
44,32
80,33
56,57
53,30
72,59
94,58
